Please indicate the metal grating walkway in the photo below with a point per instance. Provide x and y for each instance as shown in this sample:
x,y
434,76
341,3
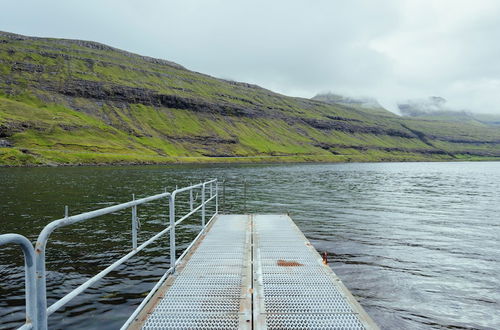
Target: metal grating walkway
x,y
293,289
255,272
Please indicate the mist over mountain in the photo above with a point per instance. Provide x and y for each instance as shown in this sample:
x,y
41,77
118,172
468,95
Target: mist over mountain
x,y
361,103
420,107
436,107
365,102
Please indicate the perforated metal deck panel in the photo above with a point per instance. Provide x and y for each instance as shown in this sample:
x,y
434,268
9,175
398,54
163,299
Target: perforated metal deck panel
x,y
255,272
293,289
213,289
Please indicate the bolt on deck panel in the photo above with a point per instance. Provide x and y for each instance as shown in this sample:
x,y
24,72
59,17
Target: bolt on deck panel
x,y
293,289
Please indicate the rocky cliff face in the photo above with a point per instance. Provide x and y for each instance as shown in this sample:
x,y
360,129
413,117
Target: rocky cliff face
x,y
71,101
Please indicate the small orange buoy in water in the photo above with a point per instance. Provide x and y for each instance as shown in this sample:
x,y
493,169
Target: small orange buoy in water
x,y
325,258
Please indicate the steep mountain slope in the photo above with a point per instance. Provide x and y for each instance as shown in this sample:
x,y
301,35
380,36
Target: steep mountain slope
x,y
70,102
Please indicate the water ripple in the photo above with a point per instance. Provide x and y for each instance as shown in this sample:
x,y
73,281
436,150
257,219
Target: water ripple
x,y
417,244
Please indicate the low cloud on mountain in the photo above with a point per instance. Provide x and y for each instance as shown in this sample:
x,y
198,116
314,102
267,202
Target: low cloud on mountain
x,y
392,50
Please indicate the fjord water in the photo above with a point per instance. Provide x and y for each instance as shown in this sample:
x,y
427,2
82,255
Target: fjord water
x,y
418,244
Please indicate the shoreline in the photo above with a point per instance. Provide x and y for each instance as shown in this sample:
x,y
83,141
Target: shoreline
x,y
251,160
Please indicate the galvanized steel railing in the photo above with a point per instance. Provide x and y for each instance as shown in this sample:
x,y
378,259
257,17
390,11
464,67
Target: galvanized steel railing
x,y
29,269
36,292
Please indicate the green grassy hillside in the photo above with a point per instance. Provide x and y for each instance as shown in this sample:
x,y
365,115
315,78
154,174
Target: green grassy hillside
x,y
460,116
78,102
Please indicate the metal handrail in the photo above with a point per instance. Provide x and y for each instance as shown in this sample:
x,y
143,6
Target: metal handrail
x,y
173,223
169,271
36,292
29,269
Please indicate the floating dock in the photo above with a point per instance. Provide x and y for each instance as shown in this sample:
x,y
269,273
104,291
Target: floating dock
x,y
252,272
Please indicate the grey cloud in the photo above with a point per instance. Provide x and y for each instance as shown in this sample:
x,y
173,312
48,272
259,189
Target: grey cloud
x,y
391,50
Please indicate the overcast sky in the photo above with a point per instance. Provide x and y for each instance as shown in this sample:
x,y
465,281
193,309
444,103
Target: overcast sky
x,y
390,50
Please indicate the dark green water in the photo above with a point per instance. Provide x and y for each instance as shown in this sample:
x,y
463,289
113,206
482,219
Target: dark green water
x,y
417,243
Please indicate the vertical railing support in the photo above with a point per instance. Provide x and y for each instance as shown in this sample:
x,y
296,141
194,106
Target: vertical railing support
x,y
134,224
217,197
203,205
191,201
172,230
41,273
40,284
224,195
245,195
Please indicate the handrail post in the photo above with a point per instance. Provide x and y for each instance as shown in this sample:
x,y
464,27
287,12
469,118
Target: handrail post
x,y
29,269
41,290
217,197
191,199
203,205
134,224
245,195
224,195
41,274
172,230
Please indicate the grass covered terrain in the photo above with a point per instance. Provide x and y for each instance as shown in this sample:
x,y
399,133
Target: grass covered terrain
x,y
77,102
